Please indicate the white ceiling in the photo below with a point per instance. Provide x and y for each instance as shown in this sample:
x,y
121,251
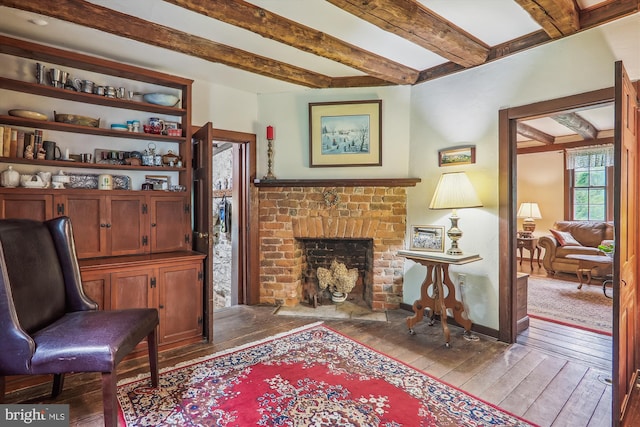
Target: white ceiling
x,y
491,21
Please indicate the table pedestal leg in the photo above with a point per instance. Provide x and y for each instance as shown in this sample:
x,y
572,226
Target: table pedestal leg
x,y
438,275
423,303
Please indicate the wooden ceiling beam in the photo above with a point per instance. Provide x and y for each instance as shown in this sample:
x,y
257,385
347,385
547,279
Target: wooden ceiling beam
x,y
412,21
558,18
606,12
275,27
564,146
535,134
577,124
123,25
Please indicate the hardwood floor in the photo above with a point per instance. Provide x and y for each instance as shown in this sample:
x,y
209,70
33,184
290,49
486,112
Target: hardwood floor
x,y
544,385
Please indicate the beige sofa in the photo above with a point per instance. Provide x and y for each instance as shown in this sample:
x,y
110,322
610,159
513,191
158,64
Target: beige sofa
x,y
588,235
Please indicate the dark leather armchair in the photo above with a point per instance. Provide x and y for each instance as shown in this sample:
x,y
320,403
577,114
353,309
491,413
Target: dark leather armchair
x,y
49,326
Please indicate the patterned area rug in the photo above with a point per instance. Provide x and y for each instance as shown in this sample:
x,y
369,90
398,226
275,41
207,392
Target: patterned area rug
x,y
559,300
312,376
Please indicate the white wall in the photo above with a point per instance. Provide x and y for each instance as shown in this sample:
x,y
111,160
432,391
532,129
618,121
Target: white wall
x,y
288,113
224,107
463,109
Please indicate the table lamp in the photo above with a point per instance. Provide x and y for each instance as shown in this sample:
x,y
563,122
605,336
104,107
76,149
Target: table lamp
x,y
454,191
530,212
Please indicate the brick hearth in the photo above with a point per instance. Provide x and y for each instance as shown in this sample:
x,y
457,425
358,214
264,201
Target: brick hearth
x,y
287,214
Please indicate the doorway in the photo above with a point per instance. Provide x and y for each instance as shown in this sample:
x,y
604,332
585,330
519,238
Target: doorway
x,y
242,214
508,151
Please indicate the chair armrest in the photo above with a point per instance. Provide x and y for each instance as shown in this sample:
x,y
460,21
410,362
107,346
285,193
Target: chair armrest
x,y
17,346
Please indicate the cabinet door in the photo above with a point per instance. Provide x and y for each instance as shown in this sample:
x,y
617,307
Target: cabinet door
x,y
180,302
97,286
128,226
38,207
133,288
170,224
88,215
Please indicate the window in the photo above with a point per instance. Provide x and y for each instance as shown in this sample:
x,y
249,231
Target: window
x,y
589,190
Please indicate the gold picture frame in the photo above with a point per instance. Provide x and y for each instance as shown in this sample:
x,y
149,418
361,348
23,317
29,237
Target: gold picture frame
x,y
429,238
457,156
345,133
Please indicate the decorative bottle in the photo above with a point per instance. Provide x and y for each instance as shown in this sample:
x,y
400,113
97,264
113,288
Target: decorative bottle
x,y
10,178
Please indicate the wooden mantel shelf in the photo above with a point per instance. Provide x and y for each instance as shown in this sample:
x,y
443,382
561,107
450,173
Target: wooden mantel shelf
x,y
373,182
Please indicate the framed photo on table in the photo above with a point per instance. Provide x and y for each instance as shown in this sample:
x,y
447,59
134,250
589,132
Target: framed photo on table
x,y
427,238
345,133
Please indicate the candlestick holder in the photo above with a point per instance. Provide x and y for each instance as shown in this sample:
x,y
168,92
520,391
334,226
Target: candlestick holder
x,y
269,174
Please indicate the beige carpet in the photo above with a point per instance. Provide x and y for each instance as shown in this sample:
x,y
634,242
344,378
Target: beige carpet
x,y
561,300
344,310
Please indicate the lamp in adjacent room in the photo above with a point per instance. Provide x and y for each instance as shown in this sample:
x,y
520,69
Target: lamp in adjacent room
x,y
530,212
454,191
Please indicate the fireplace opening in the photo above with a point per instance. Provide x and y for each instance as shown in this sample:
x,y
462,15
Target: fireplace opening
x,y
354,253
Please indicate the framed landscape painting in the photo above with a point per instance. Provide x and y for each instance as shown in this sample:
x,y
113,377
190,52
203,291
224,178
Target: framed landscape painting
x,y
457,156
427,238
345,133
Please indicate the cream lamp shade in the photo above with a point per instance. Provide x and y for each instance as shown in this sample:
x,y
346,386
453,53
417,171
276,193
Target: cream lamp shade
x,y
454,191
530,212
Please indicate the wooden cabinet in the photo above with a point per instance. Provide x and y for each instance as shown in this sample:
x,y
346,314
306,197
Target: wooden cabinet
x,y
170,217
16,205
97,286
170,282
134,246
113,223
180,301
110,225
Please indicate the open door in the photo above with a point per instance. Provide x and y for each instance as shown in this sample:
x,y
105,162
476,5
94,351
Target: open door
x,y
203,215
625,328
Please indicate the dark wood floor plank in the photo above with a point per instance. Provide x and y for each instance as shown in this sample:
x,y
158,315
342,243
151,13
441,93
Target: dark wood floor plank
x,y
509,380
520,399
583,401
555,395
480,359
488,377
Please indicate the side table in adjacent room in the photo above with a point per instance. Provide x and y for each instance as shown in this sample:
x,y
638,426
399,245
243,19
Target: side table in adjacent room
x,y
530,244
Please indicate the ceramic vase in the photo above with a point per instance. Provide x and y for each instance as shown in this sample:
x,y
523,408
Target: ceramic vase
x,y
10,178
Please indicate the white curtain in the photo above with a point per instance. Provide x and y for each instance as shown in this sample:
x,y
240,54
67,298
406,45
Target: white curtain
x,y
593,156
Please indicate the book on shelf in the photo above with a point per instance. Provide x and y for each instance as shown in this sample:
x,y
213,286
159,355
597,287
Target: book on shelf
x,y
6,141
13,143
20,147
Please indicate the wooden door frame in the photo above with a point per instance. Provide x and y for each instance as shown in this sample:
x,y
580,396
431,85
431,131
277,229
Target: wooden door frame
x,y
507,189
247,215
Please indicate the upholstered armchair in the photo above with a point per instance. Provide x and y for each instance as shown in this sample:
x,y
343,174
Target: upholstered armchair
x,y
49,326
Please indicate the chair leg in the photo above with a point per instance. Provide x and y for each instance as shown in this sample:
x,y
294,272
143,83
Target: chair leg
x,y
109,400
152,343
58,384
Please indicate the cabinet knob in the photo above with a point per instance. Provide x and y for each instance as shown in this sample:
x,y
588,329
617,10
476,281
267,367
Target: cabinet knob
x,y
103,225
153,224
108,225
202,235
161,306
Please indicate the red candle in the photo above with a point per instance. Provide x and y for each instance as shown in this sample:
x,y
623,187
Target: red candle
x,y
269,132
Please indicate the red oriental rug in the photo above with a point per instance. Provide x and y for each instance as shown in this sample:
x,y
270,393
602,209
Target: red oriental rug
x,y
312,376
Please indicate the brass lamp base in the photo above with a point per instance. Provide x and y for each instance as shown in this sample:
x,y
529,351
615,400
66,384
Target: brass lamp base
x,y
454,234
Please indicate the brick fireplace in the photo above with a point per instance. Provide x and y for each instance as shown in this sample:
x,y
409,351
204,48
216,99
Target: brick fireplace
x,y
292,214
